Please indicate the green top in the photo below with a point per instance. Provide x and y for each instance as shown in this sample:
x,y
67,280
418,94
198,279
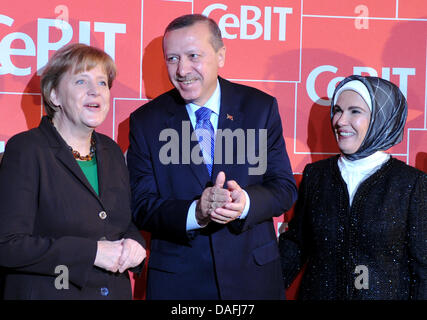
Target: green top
x,y
90,169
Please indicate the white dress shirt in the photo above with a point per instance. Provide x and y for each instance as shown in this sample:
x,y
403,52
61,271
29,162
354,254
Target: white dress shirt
x,y
357,171
213,104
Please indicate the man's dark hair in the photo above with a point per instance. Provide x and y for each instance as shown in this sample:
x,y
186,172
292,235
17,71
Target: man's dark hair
x,y
191,19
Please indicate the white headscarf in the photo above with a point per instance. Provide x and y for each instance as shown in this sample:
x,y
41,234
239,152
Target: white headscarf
x,y
357,86
388,113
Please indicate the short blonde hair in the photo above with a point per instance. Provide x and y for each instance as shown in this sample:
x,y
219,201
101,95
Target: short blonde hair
x,y
74,57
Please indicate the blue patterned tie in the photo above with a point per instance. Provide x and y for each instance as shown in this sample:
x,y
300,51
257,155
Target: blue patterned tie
x,y
207,136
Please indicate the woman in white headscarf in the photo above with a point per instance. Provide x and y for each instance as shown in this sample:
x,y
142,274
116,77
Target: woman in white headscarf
x,y
360,222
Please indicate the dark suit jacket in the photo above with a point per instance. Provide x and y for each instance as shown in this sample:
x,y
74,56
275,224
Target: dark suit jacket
x,y
384,230
50,216
235,261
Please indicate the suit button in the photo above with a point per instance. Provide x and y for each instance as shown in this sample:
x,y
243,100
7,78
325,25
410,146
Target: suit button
x,y
104,292
102,215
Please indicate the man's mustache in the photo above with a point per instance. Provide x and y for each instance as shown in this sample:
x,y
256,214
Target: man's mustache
x,y
186,78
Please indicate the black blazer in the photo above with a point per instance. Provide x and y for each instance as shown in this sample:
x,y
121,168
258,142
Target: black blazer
x,y
51,216
235,261
383,233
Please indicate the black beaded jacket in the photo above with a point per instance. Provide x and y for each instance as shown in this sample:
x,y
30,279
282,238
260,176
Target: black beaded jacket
x,y
375,249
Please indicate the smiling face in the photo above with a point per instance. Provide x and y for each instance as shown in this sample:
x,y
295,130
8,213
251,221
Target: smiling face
x,y
84,100
192,62
350,121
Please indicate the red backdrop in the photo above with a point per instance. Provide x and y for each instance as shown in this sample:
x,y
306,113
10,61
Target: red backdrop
x,y
293,49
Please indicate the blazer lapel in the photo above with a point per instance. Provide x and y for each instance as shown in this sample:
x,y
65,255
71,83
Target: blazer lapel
x,y
64,155
180,122
71,164
230,117
105,168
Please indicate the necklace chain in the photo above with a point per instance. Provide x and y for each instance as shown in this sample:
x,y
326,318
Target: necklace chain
x,y
76,154
88,157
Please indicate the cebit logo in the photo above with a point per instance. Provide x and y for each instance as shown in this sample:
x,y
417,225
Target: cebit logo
x,y
403,74
44,45
229,22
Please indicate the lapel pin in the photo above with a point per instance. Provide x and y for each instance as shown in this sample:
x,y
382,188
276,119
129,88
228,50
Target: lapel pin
x,y
229,117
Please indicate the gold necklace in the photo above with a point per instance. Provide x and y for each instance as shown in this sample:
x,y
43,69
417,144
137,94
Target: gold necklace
x,y
88,157
75,153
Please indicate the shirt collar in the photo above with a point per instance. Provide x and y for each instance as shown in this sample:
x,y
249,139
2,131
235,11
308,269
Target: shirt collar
x,y
213,103
365,164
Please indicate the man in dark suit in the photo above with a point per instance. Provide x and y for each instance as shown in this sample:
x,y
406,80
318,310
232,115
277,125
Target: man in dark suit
x,y
209,171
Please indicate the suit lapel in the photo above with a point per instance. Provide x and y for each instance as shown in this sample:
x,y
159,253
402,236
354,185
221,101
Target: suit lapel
x,y
71,164
104,166
230,117
64,155
180,122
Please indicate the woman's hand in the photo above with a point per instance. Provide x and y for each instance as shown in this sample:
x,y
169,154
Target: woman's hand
x,y
108,255
119,255
132,255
